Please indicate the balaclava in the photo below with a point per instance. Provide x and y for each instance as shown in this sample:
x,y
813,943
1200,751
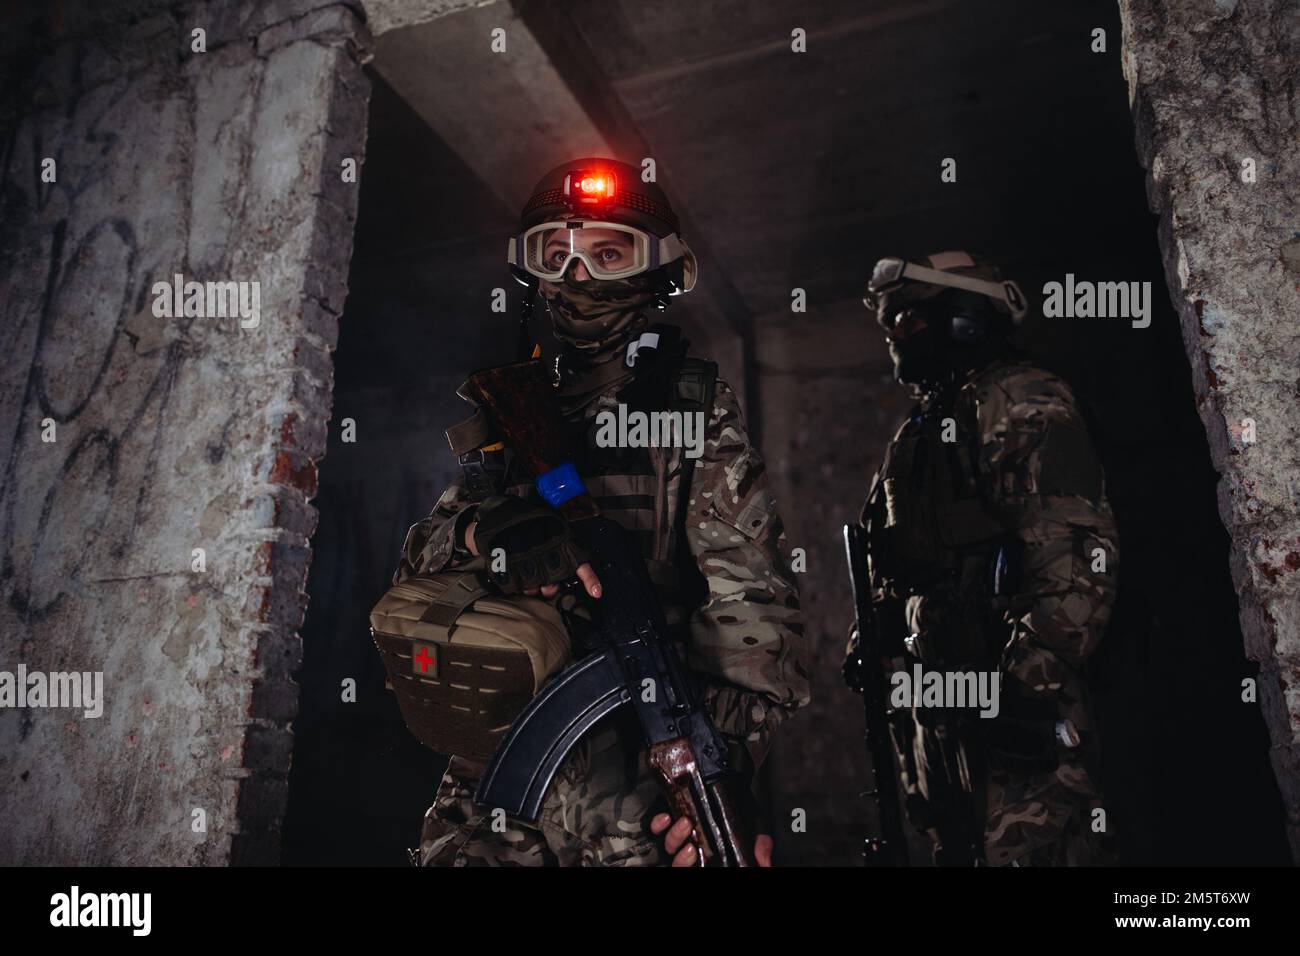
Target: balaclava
x,y
595,320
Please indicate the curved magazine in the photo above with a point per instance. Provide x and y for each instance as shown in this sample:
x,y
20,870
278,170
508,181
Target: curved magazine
x,y
521,770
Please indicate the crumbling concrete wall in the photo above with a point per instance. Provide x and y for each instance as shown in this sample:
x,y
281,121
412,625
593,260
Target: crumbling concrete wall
x,y
1213,90
132,437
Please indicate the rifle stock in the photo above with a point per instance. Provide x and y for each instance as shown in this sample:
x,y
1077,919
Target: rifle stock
x,y
684,747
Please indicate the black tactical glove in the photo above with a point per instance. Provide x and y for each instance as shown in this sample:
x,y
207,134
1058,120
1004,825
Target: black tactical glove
x,y
538,547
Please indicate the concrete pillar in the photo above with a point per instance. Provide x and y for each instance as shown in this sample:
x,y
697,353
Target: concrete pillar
x,y
171,433
1212,88
828,413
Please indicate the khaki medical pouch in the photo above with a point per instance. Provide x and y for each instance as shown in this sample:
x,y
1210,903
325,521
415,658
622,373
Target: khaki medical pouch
x,y
464,661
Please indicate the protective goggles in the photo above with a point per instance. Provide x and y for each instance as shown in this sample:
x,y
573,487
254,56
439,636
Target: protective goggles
x,y
609,250
890,273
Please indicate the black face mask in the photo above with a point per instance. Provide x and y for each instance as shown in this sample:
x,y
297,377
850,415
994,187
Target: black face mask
x,y
946,334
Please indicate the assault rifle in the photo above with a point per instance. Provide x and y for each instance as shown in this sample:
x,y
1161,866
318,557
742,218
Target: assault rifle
x,y
890,847
629,662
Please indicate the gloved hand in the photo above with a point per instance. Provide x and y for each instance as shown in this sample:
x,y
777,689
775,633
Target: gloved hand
x,y
539,549
1023,735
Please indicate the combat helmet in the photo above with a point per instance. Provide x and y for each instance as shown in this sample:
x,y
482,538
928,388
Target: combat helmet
x,y
598,193
944,271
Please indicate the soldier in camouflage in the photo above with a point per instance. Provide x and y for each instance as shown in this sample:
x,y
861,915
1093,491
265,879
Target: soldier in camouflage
x,y
991,546
708,526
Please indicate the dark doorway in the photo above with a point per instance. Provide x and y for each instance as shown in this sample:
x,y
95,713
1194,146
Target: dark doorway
x,y
426,258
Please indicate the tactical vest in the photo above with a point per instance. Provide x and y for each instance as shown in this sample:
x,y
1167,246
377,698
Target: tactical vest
x,y
930,529
646,490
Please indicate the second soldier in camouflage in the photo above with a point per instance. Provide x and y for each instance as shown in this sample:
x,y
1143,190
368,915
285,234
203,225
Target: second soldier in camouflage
x,y
991,547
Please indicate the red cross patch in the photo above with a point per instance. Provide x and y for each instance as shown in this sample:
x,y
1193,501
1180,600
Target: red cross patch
x,y
424,660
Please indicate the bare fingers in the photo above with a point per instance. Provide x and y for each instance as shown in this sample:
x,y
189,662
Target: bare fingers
x,y
584,573
676,839
589,580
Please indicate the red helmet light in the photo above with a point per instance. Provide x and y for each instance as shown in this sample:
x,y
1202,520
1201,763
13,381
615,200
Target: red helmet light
x,y
589,186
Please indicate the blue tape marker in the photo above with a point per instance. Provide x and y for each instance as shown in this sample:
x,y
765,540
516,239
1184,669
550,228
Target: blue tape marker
x,y
560,484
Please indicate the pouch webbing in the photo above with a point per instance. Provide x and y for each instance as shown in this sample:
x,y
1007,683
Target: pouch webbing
x,y
461,591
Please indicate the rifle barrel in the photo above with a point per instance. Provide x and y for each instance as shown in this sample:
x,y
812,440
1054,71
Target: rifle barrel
x,y
890,847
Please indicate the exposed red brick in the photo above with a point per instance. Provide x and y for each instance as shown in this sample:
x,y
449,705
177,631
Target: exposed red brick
x,y
296,471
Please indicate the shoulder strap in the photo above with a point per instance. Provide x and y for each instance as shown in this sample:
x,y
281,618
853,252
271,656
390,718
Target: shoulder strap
x,y
693,390
966,456
968,517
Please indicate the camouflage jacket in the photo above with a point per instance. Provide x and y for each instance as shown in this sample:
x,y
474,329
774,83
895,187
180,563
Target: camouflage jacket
x,y
745,637
1038,482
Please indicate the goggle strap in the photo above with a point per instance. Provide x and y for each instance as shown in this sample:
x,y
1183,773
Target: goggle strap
x,y
994,290
670,248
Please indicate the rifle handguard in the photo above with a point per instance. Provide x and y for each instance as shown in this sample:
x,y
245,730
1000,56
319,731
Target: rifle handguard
x,y
539,548
851,669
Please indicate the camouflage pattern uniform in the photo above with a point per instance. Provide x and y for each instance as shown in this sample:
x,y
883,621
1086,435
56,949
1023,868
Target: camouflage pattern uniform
x,y
1024,473
741,634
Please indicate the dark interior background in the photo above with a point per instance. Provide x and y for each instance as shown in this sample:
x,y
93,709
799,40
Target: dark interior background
x,y
797,171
